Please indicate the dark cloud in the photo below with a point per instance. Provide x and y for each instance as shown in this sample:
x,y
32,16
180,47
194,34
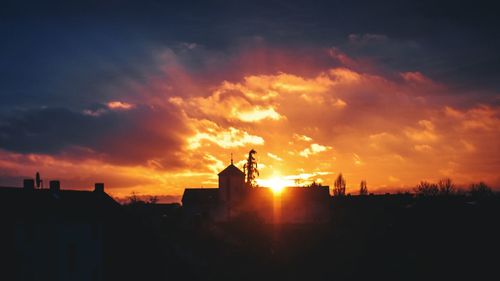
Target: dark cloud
x,y
61,53
127,137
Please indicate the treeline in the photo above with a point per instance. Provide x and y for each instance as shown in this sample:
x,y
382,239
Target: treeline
x,y
444,187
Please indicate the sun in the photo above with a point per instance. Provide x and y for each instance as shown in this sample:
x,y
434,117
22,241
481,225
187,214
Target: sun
x,y
276,184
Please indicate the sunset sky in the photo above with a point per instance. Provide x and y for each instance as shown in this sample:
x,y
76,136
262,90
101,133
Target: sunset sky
x,y
154,97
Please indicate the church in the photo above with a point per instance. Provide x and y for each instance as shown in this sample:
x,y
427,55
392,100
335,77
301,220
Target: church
x,y
236,196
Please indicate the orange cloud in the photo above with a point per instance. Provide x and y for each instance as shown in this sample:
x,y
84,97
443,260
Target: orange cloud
x,y
302,137
314,149
231,137
274,156
393,133
119,105
391,130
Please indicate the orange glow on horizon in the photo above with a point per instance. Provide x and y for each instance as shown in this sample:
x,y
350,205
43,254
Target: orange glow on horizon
x,y
277,184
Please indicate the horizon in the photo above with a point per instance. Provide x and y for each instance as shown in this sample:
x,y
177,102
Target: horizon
x,y
154,97
279,185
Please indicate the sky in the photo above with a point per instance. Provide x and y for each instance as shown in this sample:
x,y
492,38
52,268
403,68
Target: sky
x,y
152,97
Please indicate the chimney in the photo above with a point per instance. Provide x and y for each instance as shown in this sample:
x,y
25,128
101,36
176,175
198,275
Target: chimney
x,y
55,186
99,187
29,184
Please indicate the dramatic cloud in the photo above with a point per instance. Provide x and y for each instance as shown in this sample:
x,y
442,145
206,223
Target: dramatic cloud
x,y
392,131
130,137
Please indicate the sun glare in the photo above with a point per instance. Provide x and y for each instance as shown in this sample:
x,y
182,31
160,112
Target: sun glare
x,y
276,184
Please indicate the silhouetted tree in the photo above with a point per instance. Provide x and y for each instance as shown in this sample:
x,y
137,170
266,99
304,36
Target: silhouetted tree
x,y
315,184
250,168
480,190
339,186
425,188
363,189
446,187
298,181
152,200
134,200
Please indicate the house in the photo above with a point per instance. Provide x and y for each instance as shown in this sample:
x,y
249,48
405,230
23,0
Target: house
x,y
53,234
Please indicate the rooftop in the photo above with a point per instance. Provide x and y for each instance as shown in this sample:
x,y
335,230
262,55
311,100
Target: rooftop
x,y
231,170
43,203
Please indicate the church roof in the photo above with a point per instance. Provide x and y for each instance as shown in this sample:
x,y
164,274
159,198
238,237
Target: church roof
x,y
231,170
200,196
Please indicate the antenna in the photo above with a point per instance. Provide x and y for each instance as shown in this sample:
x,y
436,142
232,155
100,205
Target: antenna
x,y
231,158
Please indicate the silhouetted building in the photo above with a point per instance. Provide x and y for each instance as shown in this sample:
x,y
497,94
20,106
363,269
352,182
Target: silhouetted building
x,y
200,203
234,197
231,185
53,234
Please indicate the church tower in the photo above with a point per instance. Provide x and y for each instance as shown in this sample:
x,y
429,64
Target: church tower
x,y
231,184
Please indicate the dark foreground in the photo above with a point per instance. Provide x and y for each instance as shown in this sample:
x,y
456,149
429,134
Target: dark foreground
x,y
393,237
